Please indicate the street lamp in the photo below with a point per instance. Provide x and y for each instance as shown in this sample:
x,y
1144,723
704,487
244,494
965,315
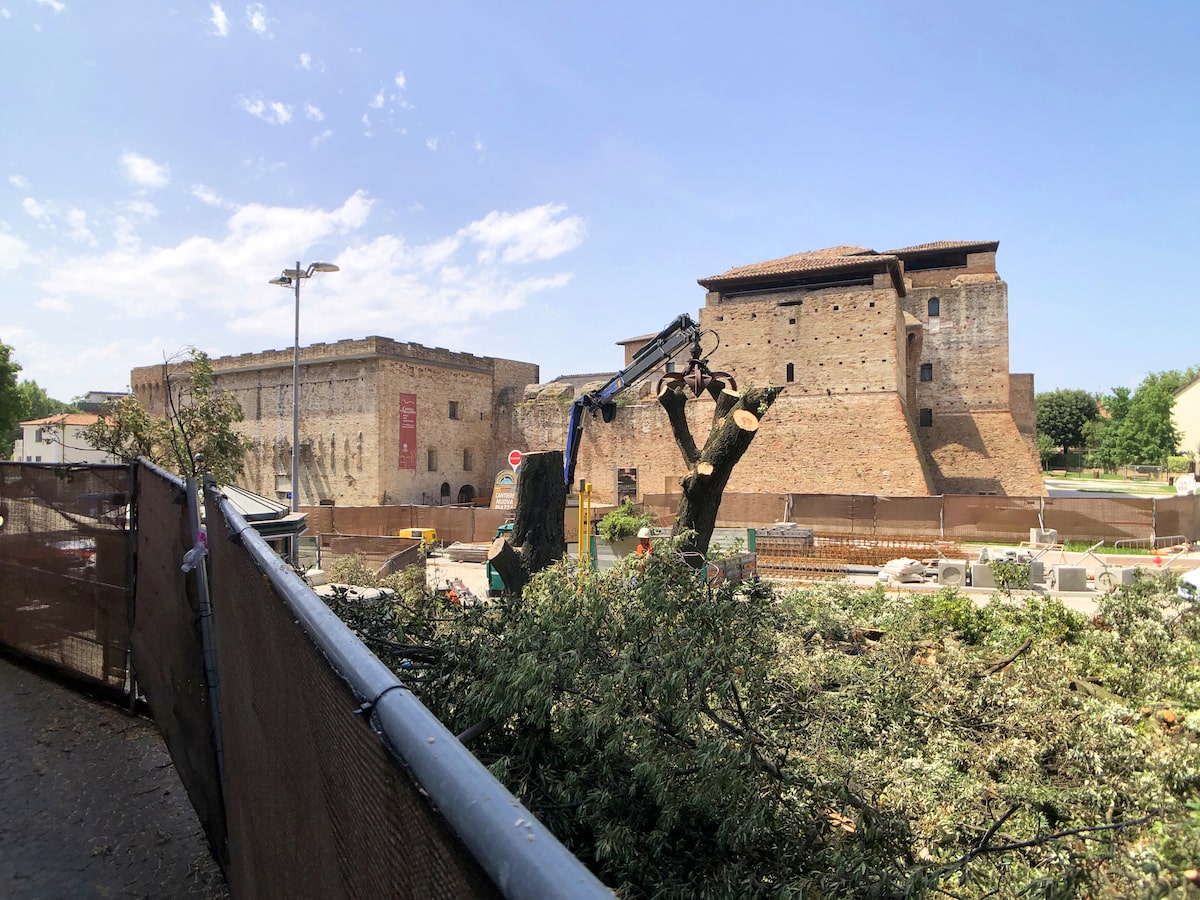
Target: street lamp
x,y
292,278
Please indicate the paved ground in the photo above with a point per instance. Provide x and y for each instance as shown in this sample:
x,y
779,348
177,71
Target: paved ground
x,y
90,804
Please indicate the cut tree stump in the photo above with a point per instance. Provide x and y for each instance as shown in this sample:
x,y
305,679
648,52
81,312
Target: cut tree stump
x,y
538,538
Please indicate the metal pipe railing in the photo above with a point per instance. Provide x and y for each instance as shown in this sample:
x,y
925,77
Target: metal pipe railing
x,y
479,809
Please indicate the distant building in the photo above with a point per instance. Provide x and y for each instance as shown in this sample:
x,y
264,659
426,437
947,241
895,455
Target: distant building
x,y
95,401
895,368
58,439
1186,416
381,422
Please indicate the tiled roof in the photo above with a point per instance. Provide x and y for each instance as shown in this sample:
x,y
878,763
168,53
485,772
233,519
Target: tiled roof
x,y
843,257
939,246
65,419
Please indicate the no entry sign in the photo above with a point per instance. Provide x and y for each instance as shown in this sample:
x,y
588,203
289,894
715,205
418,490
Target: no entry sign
x,y
514,458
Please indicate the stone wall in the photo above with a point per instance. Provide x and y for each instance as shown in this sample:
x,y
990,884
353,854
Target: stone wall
x,y
350,419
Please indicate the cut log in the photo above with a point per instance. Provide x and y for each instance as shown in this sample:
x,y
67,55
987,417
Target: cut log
x,y
745,420
538,539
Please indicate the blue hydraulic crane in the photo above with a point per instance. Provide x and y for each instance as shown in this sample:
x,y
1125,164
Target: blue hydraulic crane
x,y
658,350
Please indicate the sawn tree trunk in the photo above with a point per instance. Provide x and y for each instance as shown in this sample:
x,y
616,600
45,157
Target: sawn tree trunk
x,y
538,539
735,422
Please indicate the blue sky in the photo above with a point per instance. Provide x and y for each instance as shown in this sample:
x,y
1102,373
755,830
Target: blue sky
x,y
538,180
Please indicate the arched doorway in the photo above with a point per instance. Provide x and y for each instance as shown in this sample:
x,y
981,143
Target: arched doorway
x,y
445,493
466,494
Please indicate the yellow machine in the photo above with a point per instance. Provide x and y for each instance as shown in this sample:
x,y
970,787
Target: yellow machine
x,y
426,535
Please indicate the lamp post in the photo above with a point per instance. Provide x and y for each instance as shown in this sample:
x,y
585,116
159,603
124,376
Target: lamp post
x,y
292,278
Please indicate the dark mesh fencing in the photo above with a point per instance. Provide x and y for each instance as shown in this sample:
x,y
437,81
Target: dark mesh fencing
x,y
908,516
1092,519
986,518
1178,515
168,649
64,568
317,806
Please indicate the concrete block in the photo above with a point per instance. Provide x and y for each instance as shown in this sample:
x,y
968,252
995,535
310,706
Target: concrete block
x,y
1037,572
981,576
952,572
1071,578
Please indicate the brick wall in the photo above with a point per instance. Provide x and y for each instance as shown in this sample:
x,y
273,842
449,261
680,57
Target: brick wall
x,y
981,452
852,443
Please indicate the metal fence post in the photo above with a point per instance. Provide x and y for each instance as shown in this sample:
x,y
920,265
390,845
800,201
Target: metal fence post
x,y
206,626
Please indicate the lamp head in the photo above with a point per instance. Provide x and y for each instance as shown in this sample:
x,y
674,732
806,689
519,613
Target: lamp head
x,y
282,281
324,267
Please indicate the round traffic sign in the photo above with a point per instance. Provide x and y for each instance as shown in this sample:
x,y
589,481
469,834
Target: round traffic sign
x,y
514,458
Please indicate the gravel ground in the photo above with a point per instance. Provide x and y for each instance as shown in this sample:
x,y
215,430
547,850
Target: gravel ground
x,y
90,804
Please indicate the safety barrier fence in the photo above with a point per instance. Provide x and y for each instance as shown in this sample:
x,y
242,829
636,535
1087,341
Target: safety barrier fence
x,y
65,568
312,769
956,517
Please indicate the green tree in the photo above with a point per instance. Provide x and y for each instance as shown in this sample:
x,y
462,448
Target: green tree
x,y
10,397
1146,433
196,436
1062,414
1046,448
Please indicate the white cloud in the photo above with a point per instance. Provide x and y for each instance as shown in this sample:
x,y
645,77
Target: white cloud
x,y
386,285
77,227
479,148
321,138
143,210
145,172
306,61
54,304
400,80
377,101
4,13
532,234
367,130
207,195
257,20
14,252
314,112
219,21
56,5
432,143
20,182
37,210
275,112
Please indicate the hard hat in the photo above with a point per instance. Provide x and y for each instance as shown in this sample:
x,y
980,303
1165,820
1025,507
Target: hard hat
x,y
644,533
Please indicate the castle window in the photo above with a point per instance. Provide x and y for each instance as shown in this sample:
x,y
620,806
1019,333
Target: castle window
x,y
935,307
431,459
927,371
468,459
926,417
445,491
454,409
791,372
791,321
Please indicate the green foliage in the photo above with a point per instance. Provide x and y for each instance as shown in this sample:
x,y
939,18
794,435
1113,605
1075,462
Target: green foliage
x,y
11,408
1009,575
196,436
1147,434
1177,465
694,741
1062,414
353,571
623,522
1046,448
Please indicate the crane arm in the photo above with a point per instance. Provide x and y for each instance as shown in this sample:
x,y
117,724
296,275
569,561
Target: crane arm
x,y
681,332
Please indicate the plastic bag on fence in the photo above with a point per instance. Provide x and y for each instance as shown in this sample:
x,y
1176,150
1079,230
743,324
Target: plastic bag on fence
x,y
192,558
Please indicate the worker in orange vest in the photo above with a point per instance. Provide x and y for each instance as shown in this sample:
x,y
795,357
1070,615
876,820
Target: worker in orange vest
x,y
643,547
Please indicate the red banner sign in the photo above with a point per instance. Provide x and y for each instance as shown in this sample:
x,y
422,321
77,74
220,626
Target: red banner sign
x,y
408,431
